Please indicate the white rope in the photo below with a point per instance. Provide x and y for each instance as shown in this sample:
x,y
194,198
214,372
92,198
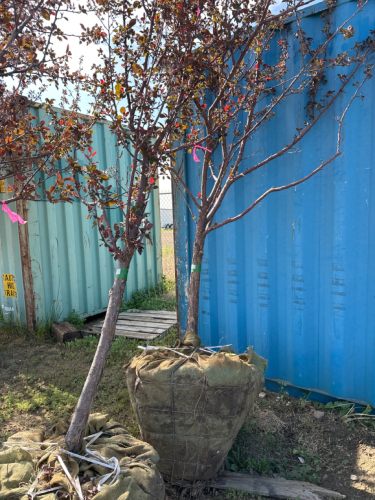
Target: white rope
x,y
33,486
167,348
38,493
94,437
103,463
70,479
207,349
111,463
218,346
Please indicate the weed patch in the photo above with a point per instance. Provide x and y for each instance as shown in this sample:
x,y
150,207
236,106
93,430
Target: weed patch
x,y
76,319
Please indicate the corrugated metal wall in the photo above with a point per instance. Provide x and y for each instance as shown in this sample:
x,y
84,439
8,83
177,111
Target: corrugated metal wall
x,y
296,277
69,268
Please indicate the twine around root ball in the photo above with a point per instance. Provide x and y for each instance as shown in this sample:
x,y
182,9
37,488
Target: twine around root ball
x,y
184,490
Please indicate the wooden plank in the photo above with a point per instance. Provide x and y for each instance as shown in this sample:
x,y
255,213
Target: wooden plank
x,y
130,329
121,333
65,332
274,487
135,317
136,335
91,330
143,329
140,311
156,314
154,324
168,323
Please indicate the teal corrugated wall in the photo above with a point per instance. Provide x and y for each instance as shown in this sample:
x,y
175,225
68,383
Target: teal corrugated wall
x,y
69,268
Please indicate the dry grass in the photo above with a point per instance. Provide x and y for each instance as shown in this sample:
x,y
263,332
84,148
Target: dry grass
x,y
267,421
168,259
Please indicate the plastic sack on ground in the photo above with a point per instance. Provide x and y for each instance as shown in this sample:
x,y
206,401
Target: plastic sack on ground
x,y
113,465
191,402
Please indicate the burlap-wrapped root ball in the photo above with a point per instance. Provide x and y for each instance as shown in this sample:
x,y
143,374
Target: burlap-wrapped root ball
x,y
190,408
139,478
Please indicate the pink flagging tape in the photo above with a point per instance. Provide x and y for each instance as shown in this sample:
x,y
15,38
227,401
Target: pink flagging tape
x,y
194,154
12,215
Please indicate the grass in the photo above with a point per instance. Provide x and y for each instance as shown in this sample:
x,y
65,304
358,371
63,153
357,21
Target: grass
x,y
162,296
168,252
42,381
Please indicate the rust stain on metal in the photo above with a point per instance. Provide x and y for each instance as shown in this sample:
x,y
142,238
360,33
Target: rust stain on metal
x,y
27,276
23,234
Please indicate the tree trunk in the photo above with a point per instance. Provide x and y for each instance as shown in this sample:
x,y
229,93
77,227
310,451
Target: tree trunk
x,y
195,278
77,427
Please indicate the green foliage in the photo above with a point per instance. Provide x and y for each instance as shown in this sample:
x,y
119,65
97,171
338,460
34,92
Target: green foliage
x,y
237,460
260,465
340,407
350,413
159,297
75,319
43,327
123,349
283,390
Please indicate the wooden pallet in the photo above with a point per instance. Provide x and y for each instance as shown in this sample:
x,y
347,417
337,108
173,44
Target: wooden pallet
x,y
142,325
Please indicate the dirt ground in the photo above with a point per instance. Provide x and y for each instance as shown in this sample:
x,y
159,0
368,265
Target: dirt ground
x,y
40,383
283,438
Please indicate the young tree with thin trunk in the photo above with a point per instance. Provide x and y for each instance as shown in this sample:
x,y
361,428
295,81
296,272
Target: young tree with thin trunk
x,y
181,75
134,85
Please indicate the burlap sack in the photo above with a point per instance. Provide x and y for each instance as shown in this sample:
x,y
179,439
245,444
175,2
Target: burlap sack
x,y
142,481
190,409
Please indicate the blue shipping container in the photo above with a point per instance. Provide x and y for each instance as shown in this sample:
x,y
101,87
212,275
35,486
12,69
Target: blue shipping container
x,y
295,278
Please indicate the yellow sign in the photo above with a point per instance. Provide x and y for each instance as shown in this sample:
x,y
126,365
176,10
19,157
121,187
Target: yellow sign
x,y
10,289
2,187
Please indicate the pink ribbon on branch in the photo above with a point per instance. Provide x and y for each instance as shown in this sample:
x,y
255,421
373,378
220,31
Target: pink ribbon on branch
x,y
194,154
12,215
